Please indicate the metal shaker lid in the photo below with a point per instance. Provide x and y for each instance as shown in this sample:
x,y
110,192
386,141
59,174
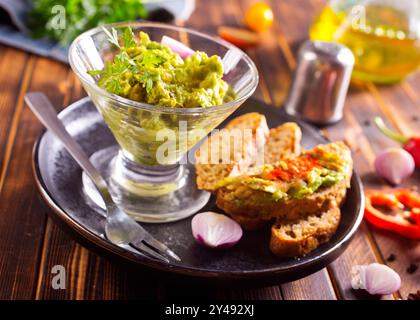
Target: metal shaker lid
x,y
320,83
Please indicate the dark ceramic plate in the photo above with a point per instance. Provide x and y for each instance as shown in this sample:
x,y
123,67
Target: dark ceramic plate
x,y
59,180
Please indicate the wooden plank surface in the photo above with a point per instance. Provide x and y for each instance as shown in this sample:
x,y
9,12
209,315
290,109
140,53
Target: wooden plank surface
x,y
31,244
317,286
22,215
9,92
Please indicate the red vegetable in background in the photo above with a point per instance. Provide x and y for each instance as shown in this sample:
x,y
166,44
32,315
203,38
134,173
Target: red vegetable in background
x,y
410,144
241,38
405,217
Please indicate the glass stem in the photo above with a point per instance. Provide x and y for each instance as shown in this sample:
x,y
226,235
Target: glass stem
x,y
150,174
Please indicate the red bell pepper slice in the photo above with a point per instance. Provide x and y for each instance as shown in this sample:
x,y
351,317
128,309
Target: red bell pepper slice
x,y
407,226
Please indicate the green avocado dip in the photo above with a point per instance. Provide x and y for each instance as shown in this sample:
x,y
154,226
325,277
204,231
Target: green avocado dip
x,y
150,72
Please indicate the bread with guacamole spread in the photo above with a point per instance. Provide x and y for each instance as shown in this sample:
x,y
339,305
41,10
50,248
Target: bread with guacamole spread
x,y
290,189
282,141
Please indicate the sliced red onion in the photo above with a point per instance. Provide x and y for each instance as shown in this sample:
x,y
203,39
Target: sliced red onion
x,y
215,230
176,46
394,165
375,278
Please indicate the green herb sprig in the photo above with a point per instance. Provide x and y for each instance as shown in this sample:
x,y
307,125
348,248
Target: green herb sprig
x,y
80,15
118,76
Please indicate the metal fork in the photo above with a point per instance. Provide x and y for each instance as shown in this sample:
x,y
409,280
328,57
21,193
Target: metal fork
x,y
120,229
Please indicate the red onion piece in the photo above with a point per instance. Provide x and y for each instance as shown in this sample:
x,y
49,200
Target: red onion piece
x,y
394,165
178,47
215,230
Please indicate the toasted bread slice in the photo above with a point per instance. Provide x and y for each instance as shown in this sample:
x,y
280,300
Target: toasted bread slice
x,y
211,165
283,141
299,237
243,202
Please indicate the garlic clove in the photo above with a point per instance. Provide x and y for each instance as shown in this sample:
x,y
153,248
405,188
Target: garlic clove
x,y
215,230
375,278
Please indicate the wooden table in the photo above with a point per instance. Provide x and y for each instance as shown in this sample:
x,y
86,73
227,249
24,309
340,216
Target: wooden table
x,y
31,244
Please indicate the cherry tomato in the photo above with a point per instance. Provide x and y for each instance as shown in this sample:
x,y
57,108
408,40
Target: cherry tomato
x,y
259,17
241,38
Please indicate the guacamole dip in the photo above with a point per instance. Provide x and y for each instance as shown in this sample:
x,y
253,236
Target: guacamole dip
x,y
150,72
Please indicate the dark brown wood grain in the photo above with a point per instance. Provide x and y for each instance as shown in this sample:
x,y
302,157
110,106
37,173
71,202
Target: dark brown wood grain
x,y
275,85
31,244
9,91
317,286
22,215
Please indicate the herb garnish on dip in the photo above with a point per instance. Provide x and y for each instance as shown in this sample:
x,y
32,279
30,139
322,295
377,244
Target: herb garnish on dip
x,y
150,72
154,73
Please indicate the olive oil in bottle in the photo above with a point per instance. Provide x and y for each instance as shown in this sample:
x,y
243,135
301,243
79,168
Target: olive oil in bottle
x,y
383,38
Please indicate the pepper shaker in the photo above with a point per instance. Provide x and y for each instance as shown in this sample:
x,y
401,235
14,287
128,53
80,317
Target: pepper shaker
x,y
320,83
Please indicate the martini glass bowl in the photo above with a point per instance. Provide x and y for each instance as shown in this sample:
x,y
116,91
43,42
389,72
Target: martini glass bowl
x,y
150,172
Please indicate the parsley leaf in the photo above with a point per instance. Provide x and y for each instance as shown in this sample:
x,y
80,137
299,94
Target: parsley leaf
x,y
150,58
112,38
128,38
124,70
80,15
113,85
96,72
148,78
